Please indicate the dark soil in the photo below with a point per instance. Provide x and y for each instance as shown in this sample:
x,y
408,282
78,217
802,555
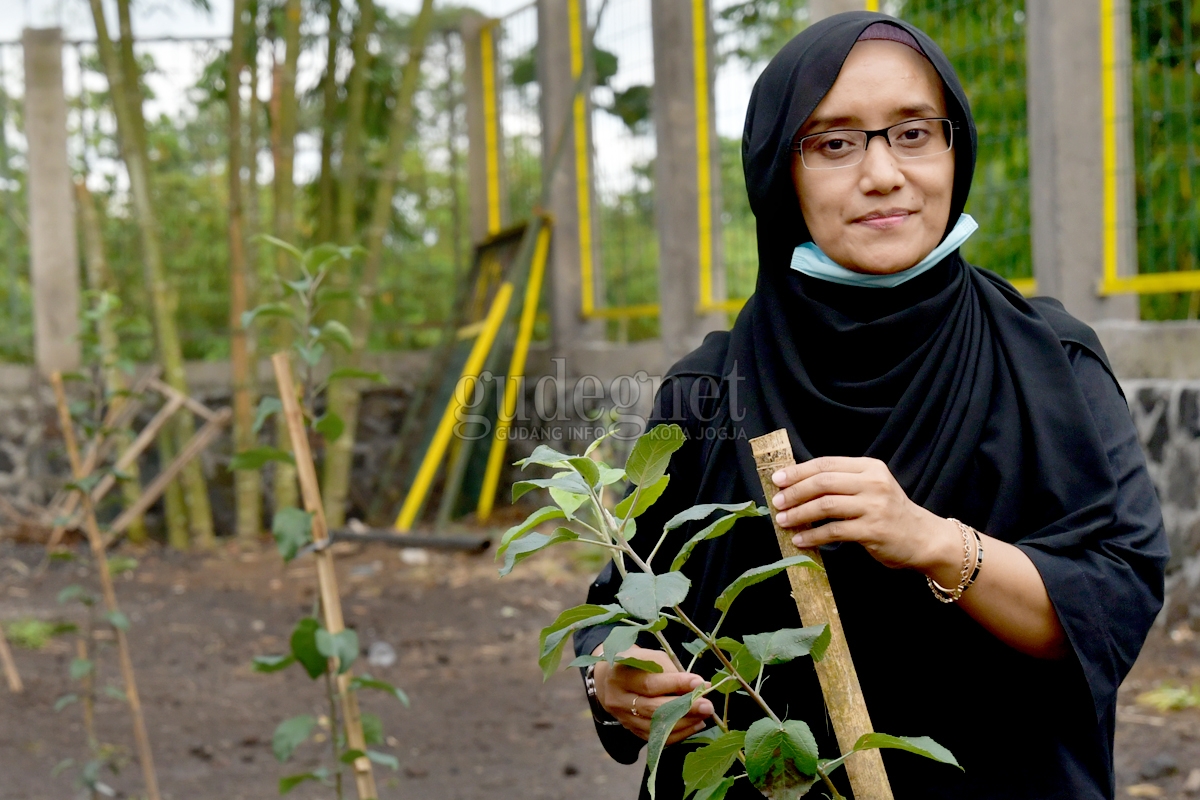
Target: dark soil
x,y
482,722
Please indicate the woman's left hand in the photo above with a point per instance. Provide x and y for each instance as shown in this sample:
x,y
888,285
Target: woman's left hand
x,y
863,503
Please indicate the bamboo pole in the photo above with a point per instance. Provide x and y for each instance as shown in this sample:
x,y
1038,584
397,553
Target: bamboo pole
x,y
815,602
10,667
141,739
331,604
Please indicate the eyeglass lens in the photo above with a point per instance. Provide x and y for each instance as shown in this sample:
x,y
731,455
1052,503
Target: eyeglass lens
x,y
916,138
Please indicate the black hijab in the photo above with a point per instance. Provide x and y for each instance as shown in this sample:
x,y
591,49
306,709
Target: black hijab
x,y
969,394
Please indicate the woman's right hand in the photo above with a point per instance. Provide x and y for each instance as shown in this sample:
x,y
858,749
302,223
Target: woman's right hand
x,y
622,690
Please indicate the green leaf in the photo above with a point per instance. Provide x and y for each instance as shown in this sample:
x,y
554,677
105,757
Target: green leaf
x,y
778,647
781,758
531,543
715,791
718,528
695,646
365,681
290,734
646,497
569,502
554,636
286,784
119,565
705,736
65,701
342,645
118,620
661,724
640,663
277,310
292,529
544,514
350,756
115,693
758,575
568,481
544,456
591,448
329,425
372,728
643,594
257,457
702,511
74,592
587,469
609,476
585,660
921,745
652,453
350,373
709,764
310,354
337,333
304,647
620,639
281,244
743,660
266,407
383,759
273,663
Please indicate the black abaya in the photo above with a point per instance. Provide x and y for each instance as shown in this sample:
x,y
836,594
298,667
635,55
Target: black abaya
x,y
986,407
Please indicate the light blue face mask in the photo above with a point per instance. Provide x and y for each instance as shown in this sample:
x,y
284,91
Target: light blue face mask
x,y
809,259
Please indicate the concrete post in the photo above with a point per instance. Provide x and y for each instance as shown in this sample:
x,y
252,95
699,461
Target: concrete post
x,y
685,130
54,259
1065,158
820,9
572,199
485,153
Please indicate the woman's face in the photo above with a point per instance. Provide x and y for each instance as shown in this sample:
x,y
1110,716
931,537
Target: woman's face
x,y
884,214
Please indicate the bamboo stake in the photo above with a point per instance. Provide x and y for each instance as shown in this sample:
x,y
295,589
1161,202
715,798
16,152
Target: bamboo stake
x,y
10,667
814,600
141,739
331,604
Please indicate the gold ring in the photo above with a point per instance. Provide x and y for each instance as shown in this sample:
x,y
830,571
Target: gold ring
x,y
634,707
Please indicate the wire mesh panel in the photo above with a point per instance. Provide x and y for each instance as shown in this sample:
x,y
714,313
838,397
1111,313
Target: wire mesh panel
x,y
985,40
521,126
1165,72
16,331
623,162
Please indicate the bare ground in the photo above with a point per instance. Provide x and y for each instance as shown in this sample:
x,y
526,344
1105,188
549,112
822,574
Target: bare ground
x,y
482,723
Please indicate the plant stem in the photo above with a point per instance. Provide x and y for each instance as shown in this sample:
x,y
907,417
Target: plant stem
x,y
829,785
724,662
333,734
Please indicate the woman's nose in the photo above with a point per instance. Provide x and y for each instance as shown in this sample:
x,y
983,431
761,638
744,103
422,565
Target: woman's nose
x,y
880,170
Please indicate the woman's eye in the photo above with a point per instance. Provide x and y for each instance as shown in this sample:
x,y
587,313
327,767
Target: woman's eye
x,y
834,146
913,136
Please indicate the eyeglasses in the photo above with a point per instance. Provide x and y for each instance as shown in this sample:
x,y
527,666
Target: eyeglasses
x,y
914,138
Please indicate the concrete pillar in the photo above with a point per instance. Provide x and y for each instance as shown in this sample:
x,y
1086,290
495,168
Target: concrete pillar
x,y
54,259
685,131
572,198
820,9
1066,158
485,157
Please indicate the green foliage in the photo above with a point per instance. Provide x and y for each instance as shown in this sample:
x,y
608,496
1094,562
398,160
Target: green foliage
x,y
292,529
34,634
780,755
290,734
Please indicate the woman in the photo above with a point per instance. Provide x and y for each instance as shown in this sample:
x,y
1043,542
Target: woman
x,y
917,391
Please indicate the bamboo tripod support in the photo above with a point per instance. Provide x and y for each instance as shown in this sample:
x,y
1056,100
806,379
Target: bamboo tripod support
x,y
331,603
10,667
814,600
99,554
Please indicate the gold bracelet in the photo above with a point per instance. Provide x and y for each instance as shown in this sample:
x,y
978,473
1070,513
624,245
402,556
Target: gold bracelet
x,y
969,571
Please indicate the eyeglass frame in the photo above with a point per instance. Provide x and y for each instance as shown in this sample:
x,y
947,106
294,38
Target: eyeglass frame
x,y
797,146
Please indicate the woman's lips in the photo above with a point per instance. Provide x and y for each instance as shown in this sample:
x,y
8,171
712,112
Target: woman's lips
x,y
884,221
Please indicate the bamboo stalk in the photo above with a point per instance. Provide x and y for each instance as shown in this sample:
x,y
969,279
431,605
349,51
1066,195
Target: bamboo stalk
x,y
10,667
88,700
141,739
815,602
331,604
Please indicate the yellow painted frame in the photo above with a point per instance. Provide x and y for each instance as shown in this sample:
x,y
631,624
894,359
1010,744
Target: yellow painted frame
x,y
491,125
516,371
445,429
583,161
1111,282
872,5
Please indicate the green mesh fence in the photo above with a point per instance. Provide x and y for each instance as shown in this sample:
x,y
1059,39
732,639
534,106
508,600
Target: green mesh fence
x,y
985,40
1165,72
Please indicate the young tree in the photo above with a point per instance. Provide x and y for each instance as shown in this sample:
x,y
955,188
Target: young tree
x,y
344,396
122,75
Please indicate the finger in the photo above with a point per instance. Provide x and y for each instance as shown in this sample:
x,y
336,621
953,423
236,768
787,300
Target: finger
x,y
837,531
819,485
656,684
682,732
798,472
826,507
